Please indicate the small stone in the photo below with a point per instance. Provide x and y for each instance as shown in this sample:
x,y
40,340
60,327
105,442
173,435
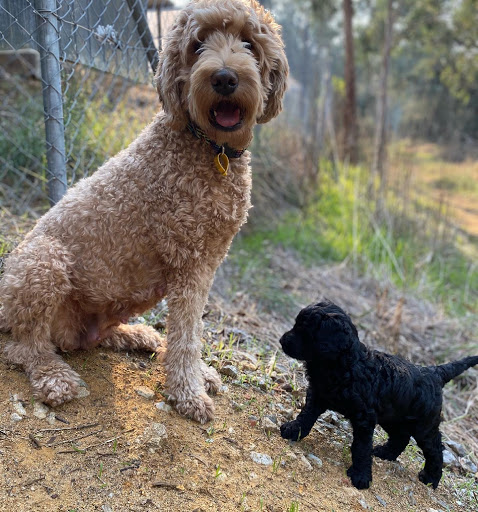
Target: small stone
x,y
468,466
307,465
145,392
163,406
269,426
230,371
82,392
40,410
458,448
449,459
363,503
381,500
106,508
154,435
51,418
236,406
19,409
315,460
15,418
331,417
261,458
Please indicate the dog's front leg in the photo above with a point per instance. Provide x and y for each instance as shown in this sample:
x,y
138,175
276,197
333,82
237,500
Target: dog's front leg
x,y
185,380
300,427
360,472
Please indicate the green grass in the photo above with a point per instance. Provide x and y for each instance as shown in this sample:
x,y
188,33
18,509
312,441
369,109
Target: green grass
x,y
413,245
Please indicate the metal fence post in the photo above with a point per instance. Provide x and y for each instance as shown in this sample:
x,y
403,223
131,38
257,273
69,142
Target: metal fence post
x,y
49,46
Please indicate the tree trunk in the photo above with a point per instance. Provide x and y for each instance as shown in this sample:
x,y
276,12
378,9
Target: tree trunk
x,y
350,151
380,144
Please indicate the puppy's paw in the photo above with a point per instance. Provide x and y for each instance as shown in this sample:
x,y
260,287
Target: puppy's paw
x,y
199,408
292,430
382,452
428,479
212,381
360,479
54,386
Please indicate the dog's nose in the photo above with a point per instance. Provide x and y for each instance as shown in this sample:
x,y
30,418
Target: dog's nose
x,y
224,81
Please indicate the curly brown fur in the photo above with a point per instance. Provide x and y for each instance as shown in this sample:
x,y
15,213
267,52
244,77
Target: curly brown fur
x,y
367,387
156,220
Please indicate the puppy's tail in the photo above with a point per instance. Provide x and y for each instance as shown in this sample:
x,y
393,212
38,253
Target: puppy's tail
x,y
450,370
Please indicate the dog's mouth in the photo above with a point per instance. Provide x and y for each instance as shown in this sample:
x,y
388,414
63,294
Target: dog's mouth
x,y
226,116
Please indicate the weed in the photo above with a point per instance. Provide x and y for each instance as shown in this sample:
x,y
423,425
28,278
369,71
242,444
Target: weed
x,y
218,471
293,507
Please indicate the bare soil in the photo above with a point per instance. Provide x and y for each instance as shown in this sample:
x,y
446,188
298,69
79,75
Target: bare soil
x,y
99,453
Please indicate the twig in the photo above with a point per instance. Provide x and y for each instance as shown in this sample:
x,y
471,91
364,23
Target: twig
x,y
75,439
165,485
83,450
31,482
62,420
79,427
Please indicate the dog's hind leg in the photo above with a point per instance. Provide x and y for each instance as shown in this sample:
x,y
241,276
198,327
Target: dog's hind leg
x,y
398,438
430,443
35,284
134,337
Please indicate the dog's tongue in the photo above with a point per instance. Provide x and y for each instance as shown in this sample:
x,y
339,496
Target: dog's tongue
x,y
227,114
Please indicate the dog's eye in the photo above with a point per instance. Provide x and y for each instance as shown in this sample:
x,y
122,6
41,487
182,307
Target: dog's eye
x,y
247,45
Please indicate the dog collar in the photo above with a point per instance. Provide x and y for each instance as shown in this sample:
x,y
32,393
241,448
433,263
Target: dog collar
x,y
223,153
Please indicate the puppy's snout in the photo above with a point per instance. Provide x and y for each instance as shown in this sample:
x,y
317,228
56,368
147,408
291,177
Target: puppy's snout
x,y
224,81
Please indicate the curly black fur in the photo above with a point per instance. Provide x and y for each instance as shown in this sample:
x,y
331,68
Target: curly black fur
x,y
367,387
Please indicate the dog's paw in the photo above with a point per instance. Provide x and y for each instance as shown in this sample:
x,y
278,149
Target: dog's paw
x,y
360,479
382,452
199,408
427,479
212,380
292,430
54,386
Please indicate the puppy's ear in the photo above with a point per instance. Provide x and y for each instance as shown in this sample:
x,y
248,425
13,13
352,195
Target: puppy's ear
x,y
335,337
168,84
274,58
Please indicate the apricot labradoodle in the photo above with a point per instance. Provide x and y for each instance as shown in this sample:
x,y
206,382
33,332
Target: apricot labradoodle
x,y
157,219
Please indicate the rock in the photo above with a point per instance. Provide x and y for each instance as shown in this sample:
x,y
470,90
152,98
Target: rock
x,y
163,406
449,459
381,500
363,503
82,392
230,371
145,392
331,417
40,410
468,466
51,418
236,406
269,426
315,460
154,435
307,465
19,409
457,448
15,417
106,508
261,458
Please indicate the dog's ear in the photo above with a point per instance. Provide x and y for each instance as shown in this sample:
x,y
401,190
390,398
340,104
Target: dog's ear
x,y
278,85
274,63
335,336
166,78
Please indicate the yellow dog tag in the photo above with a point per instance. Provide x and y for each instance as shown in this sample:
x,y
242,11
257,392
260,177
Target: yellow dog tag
x,y
222,162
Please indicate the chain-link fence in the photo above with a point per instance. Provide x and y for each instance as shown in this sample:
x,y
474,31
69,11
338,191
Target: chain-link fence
x,y
75,88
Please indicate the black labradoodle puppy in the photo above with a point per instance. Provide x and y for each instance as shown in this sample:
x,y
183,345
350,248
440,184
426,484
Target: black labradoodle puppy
x,y
367,387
